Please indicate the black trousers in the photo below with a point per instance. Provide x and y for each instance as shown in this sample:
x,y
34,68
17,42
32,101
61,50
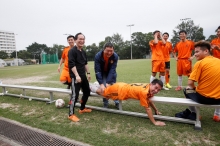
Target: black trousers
x,y
195,96
75,93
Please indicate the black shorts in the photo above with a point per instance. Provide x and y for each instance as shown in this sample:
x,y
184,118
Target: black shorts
x,y
195,96
167,65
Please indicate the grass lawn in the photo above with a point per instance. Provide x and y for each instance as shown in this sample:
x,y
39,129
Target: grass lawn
x,y
101,128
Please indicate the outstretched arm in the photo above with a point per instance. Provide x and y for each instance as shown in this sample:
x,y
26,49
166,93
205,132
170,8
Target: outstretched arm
x,y
150,116
155,109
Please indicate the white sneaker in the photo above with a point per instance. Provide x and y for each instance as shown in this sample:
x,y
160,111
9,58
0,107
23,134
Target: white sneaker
x,y
164,88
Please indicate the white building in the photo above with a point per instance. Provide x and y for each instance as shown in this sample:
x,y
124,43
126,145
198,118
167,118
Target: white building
x,y
7,42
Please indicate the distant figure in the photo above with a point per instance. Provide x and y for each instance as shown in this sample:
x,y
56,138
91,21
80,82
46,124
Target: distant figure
x,y
78,67
65,76
158,62
184,59
166,52
105,69
124,91
215,49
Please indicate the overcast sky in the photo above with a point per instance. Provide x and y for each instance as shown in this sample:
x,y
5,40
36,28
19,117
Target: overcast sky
x,y
47,21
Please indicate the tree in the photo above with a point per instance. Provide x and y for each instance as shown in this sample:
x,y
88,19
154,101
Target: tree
x,y
23,54
211,37
57,49
91,50
36,49
194,33
3,55
139,45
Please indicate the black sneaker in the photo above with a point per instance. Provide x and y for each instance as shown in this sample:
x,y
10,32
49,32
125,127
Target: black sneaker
x,y
192,116
117,105
105,105
183,114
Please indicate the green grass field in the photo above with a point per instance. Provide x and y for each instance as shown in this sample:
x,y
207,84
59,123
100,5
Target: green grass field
x,y
101,128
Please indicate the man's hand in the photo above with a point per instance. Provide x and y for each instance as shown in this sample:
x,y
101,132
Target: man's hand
x,y
58,69
158,113
102,87
89,77
159,123
78,79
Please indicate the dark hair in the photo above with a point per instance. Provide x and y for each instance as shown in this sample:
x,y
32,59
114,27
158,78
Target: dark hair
x,y
219,27
76,36
203,45
70,36
155,32
109,44
156,81
182,31
166,33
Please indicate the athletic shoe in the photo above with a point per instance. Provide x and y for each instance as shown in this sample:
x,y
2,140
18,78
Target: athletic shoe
x,y
73,118
85,110
105,105
184,114
178,88
117,105
216,118
192,116
168,85
164,88
68,106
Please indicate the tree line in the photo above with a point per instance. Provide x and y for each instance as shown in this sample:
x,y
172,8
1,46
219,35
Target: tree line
x,y
140,44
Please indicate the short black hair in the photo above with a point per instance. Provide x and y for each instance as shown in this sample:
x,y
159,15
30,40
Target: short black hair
x,y
157,81
70,36
166,33
182,31
155,32
108,44
203,45
76,36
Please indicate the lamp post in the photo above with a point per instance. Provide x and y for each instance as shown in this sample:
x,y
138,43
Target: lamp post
x,y
130,36
66,34
16,53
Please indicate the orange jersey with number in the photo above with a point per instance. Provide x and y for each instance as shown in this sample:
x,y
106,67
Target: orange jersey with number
x,y
216,53
206,73
184,49
65,57
123,91
156,49
167,49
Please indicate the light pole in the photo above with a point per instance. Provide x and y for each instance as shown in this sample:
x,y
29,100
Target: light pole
x,y
185,19
130,36
66,34
16,54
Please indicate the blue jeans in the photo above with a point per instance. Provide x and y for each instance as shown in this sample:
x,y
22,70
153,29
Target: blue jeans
x,y
105,101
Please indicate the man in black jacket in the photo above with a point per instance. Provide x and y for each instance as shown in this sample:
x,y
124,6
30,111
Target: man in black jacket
x,y
78,68
105,69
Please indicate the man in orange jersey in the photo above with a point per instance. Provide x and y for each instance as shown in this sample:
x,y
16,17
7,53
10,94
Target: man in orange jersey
x,y
124,91
65,77
215,49
206,72
157,57
184,59
166,52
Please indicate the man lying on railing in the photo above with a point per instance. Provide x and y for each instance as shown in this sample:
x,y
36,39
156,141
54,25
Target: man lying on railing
x,y
124,91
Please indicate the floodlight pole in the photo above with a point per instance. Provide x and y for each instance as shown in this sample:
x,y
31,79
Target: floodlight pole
x,y
130,36
16,54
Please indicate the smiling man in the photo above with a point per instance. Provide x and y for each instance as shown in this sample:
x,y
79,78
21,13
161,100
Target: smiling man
x,y
142,92
206,72
105,69
78,67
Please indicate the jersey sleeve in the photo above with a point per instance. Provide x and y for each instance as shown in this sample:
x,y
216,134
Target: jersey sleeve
x,y
143,99
196,72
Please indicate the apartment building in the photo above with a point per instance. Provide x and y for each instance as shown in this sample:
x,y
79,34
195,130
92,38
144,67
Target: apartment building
x,y
7,41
